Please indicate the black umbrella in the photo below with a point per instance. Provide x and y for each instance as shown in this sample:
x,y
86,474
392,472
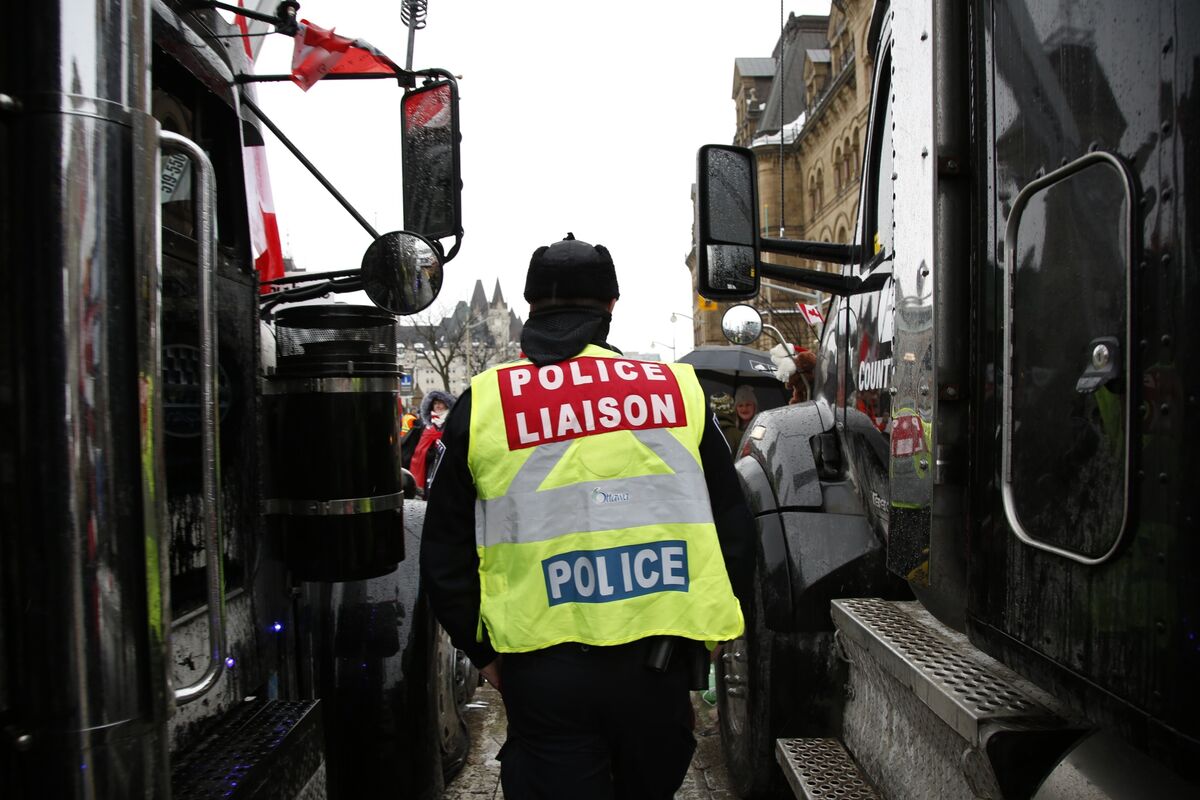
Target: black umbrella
x,y
725,367
731,360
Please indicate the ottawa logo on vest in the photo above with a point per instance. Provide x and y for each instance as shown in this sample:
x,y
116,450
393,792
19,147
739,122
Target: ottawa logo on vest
x,y
616,573
603,498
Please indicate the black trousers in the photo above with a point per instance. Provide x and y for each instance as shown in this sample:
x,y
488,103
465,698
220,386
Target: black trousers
x,y
593,723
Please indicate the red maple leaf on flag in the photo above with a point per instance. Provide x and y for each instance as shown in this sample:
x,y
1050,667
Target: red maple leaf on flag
x,y
811,313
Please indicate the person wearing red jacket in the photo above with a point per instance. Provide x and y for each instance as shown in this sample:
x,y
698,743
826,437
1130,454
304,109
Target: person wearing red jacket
x,y
424,438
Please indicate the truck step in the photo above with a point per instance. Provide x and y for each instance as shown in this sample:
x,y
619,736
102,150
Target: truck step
x,y
961,685
821,769
262,749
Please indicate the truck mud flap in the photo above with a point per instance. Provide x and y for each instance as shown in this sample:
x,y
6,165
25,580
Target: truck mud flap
x,y
811,558
262,749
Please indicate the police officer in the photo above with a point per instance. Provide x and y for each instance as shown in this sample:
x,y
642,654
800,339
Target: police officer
x,y
585,535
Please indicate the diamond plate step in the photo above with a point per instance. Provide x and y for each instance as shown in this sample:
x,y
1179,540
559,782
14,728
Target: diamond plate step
x,y
821,769
262,749
961,685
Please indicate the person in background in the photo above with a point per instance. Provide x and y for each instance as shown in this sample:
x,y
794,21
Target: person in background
x,y
409,437
407,418
722,406
435,406
566,475
745,403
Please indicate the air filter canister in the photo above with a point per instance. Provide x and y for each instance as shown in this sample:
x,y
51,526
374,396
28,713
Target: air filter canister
x,y
334,489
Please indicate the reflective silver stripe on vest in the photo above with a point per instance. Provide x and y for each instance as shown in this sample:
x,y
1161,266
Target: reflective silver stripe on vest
x,y
524,514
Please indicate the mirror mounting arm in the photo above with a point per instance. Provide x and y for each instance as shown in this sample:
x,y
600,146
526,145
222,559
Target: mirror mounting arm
x,y
771,329
316,173
842,285
829,282
309,277
284,18
267,302
817,251
406,80
838,284
434,73
453,248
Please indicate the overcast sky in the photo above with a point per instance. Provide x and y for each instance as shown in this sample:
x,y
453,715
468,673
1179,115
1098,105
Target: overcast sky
x,y
575,116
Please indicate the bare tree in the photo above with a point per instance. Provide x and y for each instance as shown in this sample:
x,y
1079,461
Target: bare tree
x,y
450,337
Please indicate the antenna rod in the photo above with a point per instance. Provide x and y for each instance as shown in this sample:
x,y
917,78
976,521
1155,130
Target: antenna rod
x,y
412,14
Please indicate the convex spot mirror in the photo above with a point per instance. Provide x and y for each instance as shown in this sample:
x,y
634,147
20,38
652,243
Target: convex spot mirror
x,y
727,244
430,149
742,324
402,272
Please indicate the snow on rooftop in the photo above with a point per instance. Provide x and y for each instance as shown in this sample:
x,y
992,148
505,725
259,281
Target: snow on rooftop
x,y
790,132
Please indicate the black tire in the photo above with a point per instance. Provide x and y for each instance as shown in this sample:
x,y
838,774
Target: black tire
x,y
746,699
449,695
773,685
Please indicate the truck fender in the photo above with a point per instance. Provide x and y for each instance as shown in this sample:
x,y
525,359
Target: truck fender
x,y
815,543
780,441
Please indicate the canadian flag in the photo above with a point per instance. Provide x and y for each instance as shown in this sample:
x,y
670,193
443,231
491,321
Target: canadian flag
x,y
319,52
264,229
812,314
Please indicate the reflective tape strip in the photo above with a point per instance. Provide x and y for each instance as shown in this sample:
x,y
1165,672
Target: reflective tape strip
x,y
524,514
535,469
277,385
327,508
593,506
669,449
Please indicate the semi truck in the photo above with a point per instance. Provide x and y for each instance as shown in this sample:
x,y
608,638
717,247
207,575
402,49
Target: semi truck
x,y
208,577
976,540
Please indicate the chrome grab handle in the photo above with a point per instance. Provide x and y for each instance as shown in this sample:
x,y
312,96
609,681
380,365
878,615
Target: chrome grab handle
x,y
205,208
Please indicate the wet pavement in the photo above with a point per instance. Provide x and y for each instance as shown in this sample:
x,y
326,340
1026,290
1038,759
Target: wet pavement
x,y
480,778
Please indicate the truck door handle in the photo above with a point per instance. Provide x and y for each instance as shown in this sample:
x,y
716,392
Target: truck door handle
x,y
204,206
1104,360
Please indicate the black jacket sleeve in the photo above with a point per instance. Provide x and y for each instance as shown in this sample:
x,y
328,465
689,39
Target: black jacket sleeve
x,y
735,524
449,562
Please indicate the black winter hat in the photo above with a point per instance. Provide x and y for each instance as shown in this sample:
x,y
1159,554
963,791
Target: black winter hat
x,y
571,268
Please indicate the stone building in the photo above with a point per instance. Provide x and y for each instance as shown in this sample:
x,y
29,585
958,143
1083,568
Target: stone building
x,y
804,113
477,334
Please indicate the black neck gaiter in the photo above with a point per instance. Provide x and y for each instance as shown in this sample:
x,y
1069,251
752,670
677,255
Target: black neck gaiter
x,y
557,334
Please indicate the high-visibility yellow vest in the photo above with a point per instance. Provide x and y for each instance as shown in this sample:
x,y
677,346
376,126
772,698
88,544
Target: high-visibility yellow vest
x,y
593,522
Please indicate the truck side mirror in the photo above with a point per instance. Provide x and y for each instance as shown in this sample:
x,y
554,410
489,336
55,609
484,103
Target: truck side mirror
x,y
727,244
742,324
432,172
402,272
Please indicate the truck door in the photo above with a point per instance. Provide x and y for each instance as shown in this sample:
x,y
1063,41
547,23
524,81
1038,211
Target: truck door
x,y
1083,557
1065,446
